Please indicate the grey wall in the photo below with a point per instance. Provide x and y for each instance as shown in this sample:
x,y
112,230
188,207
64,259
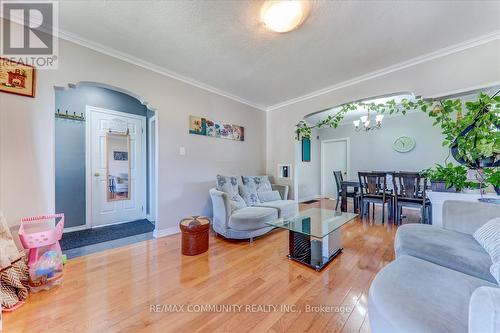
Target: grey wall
x,y
373,150
27,161
70,144
462,70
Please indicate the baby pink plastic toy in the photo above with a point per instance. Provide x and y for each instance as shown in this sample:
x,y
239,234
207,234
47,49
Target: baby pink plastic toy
x,y
45,235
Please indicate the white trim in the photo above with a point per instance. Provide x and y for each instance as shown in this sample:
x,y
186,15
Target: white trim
x,y
166,232
348,159
495,35
76,228
88,159
152,67
157,163
152,179
311,197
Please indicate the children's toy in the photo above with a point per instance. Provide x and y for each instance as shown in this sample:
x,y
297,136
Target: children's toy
x,y
45,258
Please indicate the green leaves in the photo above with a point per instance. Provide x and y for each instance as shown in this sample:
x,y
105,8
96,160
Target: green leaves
x,y
452,175
482,117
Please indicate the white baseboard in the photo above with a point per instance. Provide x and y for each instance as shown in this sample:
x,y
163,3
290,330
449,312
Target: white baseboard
x,y
312,197
166,232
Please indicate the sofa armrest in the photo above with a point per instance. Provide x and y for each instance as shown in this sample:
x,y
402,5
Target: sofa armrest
x,y
282,189
484,310
221,207
467,216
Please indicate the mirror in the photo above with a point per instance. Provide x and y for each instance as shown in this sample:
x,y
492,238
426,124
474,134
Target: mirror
x,y
118,166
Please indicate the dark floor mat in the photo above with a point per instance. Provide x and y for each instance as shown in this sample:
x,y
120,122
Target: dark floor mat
x,y
310,202
71,240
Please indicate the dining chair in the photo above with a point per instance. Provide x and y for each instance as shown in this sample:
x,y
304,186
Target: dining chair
x,y
350,193
373,189
409,191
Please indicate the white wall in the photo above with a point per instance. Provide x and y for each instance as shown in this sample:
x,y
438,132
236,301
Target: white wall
x,y
308,180
472,67
27,137
373,150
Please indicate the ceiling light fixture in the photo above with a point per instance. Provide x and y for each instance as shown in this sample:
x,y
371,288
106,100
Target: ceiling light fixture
x,y
365,121
283,15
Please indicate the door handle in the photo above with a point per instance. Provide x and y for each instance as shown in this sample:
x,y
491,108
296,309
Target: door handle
x,y
97,174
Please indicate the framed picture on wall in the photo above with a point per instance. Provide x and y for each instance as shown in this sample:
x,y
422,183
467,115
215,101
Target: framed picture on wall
x,y
17,78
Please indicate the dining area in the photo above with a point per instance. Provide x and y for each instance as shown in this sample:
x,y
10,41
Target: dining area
x,y
389,191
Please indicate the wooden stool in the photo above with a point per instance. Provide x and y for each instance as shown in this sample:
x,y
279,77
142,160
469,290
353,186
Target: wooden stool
x,y
194,235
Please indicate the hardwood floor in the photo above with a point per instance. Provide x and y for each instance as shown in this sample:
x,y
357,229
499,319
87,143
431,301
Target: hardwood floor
x,y
114,291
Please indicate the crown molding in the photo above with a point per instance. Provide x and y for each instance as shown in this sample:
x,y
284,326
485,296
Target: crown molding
x,y
484,39
76,39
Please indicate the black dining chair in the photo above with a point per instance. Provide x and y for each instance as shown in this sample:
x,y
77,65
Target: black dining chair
x,y
350,193
373,189
409,191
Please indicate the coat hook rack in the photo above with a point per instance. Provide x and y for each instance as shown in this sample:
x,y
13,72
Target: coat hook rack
x,y
69,116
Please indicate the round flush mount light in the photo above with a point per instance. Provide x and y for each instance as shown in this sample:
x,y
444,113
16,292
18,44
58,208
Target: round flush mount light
x,y
283,15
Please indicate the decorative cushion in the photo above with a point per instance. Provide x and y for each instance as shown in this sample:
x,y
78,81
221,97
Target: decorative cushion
x,y
488,235
495,271
248,191
269,196
262,183
228,184
237,202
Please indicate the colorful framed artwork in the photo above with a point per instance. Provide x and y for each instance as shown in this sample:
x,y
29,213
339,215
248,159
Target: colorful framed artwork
x,y
17,78
216,129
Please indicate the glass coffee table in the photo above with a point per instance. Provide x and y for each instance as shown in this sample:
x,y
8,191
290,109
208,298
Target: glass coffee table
x,y
314,235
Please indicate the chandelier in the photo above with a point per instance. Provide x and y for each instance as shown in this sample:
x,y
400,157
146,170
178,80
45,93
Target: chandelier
x,y
364,122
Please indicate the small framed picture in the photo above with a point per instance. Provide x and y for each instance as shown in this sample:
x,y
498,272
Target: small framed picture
x,y
120,156
17,78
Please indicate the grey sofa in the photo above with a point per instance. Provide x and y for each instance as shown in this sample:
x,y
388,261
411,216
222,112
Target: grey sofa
x,y
440,280
249,221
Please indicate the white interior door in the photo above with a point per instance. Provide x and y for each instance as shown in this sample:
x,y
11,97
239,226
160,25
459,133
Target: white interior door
x,y
334,157
104,210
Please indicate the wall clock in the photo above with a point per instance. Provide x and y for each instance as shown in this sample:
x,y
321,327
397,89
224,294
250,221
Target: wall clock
x,y
404,144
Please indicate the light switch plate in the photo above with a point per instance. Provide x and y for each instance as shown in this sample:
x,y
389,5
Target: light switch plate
x,y
182,151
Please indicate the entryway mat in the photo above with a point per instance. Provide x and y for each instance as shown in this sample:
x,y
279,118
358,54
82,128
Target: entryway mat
x,y
71,240
310,202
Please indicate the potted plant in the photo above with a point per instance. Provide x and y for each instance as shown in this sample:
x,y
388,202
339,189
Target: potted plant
x,y
447,178
474,138
492,176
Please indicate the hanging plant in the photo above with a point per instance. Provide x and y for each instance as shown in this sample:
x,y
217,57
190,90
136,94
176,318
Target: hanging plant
x,y
472,136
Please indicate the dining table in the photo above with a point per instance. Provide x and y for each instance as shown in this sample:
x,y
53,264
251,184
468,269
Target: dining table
x,y
345,184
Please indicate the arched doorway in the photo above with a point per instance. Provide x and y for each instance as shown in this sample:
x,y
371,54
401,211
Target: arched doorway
x,y
105,174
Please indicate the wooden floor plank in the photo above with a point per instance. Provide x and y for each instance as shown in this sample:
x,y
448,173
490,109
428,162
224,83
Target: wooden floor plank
x,y
113,291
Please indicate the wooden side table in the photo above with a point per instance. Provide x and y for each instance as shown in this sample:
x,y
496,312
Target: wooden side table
x,y
195,230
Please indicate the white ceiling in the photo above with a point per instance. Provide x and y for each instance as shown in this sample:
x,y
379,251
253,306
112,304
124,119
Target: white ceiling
x,y
222,45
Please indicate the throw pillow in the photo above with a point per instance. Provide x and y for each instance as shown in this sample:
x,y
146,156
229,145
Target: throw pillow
x,y
228,184
262,183
269,196
495,271
237,202
249,192
488,235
